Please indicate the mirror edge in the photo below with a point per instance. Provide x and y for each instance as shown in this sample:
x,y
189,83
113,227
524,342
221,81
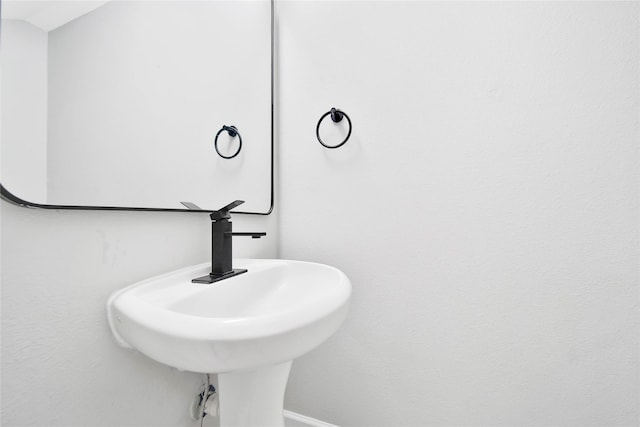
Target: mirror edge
x,y
7,196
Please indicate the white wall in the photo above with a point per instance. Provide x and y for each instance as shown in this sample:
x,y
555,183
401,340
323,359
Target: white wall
x,y
60,364
23,106
485,208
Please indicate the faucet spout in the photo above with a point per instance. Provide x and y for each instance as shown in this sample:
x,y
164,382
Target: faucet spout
x,y
249,234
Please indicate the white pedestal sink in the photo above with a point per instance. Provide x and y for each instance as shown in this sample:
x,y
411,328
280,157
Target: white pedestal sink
x,y
247,329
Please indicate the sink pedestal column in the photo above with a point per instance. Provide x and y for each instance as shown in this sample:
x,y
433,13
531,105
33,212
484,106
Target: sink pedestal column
x,y
253,398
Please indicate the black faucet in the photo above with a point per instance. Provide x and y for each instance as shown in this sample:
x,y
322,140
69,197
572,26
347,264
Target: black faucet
x,y
221,247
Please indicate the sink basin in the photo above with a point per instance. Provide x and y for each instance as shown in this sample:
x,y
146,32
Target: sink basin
x,y
275,312
247,328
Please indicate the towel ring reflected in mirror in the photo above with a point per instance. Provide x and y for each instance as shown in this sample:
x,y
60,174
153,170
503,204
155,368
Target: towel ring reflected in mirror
x,y
233,132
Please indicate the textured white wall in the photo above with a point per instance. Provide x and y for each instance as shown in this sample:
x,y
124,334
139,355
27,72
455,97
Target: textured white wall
x,y
485,208
60,364
23,105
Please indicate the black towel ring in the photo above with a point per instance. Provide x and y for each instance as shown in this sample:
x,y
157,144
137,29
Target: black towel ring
x,y
336,116
233,132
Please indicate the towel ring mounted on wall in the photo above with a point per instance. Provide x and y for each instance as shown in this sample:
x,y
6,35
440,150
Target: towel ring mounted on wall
x,y
233,132
336,117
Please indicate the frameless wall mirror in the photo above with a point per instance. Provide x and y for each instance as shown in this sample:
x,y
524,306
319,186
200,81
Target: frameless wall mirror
x,y
116,104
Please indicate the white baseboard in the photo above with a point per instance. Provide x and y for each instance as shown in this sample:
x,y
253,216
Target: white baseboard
x,y
296,420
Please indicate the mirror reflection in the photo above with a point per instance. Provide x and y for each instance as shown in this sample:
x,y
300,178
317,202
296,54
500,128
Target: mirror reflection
x,y
117,103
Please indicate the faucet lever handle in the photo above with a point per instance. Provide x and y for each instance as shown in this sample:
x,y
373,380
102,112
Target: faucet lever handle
x,y
223,213
232,205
